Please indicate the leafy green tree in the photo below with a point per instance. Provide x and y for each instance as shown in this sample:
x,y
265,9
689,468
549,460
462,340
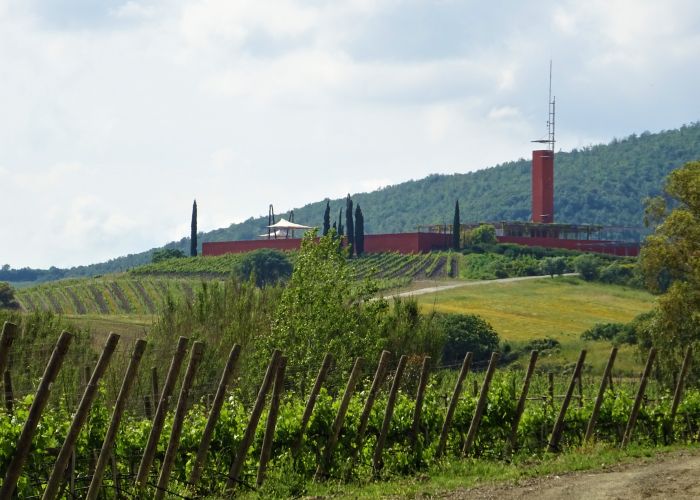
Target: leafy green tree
x,y
327,218
670,264
588,266
323,310
467,333
554,265
265,267
359,231
167,253
193,232
485,234
349,225
456,228
7,297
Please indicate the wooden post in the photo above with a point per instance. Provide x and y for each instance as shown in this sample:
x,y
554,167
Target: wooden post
x,y
601,394
559,425
269,436
154,384
159,417
40,399
311,403
580,391
453,404
178,419
480,405
214,414
388,413
550,377
148,406
678,393
79,418
327,457
379,375
420,395
512,442
475,388
9,332
610,380
115,475
627,436
9,396
249,434
119,405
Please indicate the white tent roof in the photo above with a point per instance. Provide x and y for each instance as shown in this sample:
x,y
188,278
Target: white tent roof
x,y
285,224
278,233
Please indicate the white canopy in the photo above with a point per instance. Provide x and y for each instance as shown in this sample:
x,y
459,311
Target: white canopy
x,y
274,234
285,224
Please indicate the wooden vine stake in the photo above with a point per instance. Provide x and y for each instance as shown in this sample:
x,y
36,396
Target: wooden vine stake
x,y
601,394
159,417
629,430
154,384
559,425
9,395
269,436
420,395
119,406
249,434
43,392
79,418
311,403
214,414
180,411
377,382
9,332
513,439
480,405
327,457
678,393
453,404
377,462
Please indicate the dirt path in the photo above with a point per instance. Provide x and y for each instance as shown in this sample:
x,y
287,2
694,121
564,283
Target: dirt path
x,y
667,476
440,288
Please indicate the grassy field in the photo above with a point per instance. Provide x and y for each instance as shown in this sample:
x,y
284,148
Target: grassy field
x,y
560,308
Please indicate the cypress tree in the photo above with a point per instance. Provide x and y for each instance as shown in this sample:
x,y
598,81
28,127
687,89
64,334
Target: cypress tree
x,y
327,218
349,226
193,234
359,231
340,222
456,228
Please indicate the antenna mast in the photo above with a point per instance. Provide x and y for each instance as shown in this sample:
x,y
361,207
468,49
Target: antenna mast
x,y
551,109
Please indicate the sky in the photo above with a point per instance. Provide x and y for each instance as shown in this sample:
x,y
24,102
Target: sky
x,y
115,115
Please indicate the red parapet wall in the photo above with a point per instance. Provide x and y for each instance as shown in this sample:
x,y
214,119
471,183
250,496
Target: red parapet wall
x,y
622,249
543,186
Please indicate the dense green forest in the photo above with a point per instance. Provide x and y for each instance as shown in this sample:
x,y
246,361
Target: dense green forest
x,y
604,184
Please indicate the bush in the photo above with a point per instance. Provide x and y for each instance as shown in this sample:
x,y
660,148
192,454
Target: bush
x,y
587,266
540,345
467,333
167,253
265,266
7,296
554,265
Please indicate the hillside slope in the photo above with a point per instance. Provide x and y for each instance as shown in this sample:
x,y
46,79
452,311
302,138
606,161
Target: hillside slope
x,y
603,184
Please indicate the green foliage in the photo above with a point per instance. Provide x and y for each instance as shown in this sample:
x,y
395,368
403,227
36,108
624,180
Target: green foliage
x,y
265,267
485,234
7,297
467,333
554,265
165,254
670,265
327,218
588,266
359,231
193,230
349,224
621,273
456,228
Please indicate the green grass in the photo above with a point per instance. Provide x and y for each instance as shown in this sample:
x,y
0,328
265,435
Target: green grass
x,y
455,474
560,308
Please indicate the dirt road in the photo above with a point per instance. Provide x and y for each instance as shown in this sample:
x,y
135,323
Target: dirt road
x,y
667,476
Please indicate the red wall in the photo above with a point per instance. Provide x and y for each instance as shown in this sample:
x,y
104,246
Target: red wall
x,y
543,186
598,246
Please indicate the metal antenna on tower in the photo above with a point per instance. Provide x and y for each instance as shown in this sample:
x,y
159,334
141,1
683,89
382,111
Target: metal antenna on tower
x,y
551,110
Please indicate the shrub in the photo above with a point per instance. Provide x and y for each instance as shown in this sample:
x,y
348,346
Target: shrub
x,y
467,333
7,296
167,253
587,266
554,265
544,344
265,266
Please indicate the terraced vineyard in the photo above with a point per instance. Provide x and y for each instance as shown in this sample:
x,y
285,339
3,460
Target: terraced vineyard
x,y
109,295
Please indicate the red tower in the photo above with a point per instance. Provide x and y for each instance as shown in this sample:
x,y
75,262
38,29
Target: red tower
x,y
543,186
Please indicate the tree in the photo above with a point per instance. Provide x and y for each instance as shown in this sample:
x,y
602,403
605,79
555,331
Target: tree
x,y
167,253
7,297
456,228
588,266
554,265
349,226
670,265
467,333
327,218
485,234
193,233
359,231
266,266
340,223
